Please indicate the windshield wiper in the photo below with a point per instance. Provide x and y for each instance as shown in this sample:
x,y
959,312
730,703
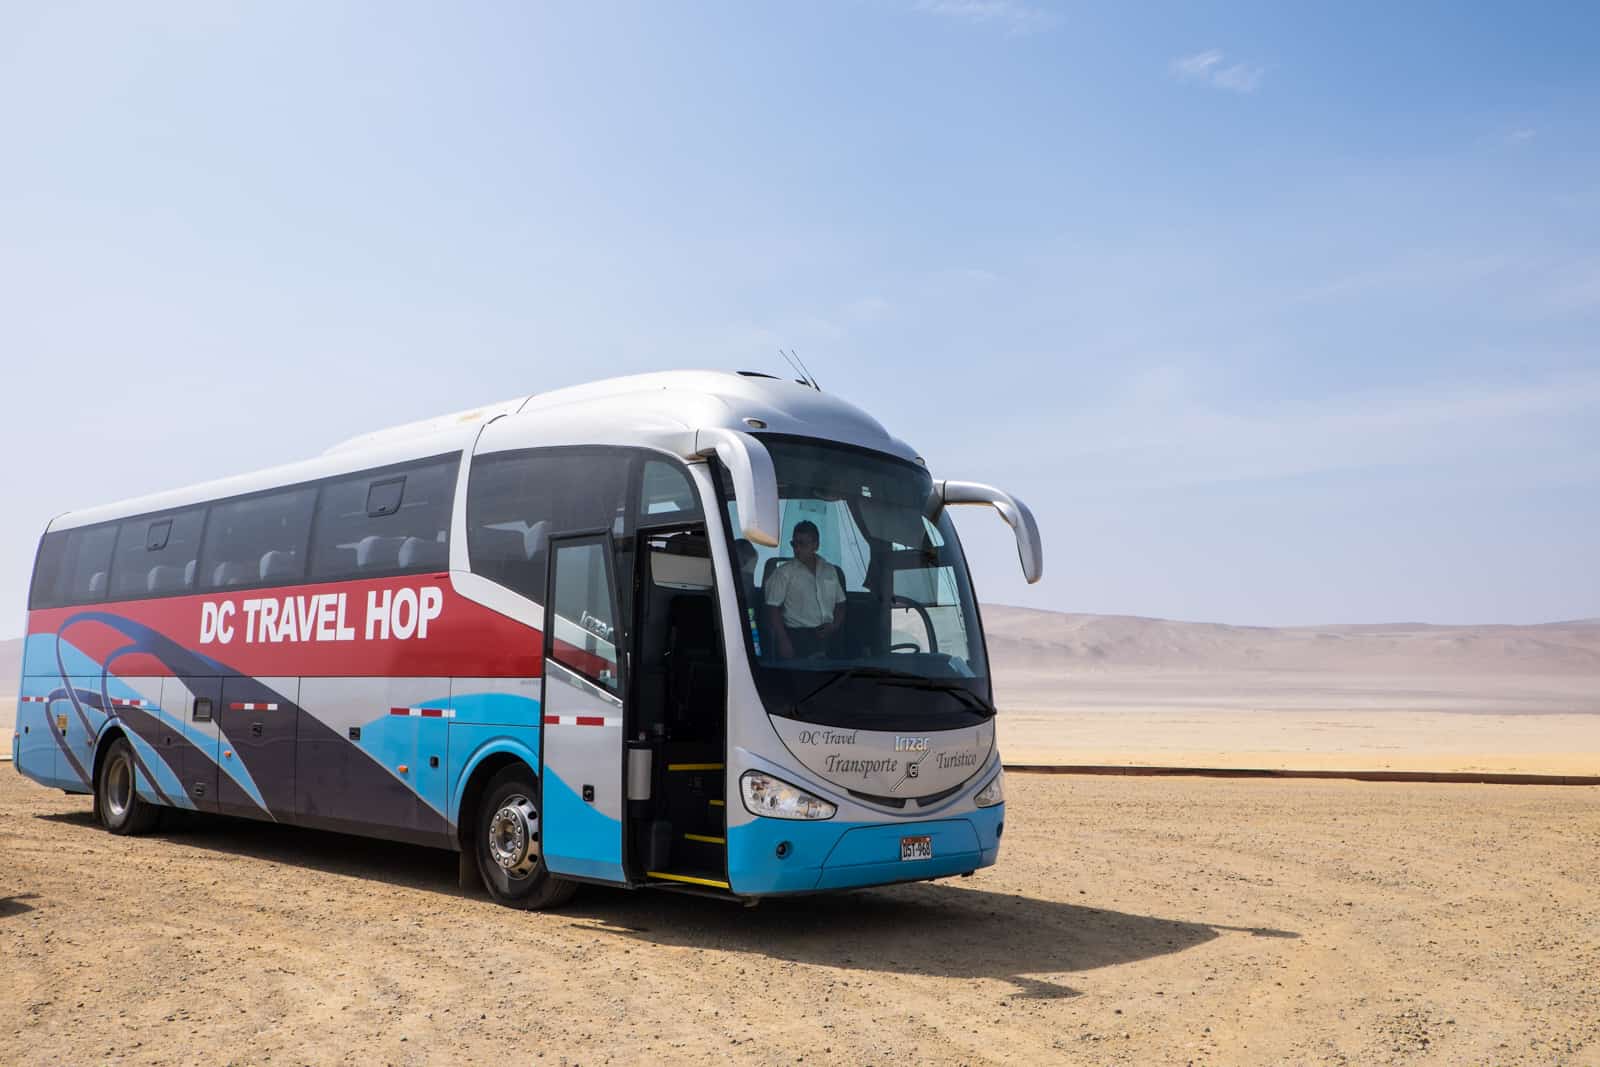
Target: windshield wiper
x,y
972,700
881,673
937,685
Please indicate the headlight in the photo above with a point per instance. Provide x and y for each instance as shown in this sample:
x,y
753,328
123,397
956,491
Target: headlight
x,y
993,793
777,799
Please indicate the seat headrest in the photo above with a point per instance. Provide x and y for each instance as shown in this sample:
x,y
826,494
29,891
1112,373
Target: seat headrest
x,y
163,578
419,553
276,566
230,573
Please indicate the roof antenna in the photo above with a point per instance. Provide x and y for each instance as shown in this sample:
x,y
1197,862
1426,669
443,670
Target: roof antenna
x,y
804,379
810,380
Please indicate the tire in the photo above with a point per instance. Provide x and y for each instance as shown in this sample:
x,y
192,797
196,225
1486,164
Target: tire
x,y
117,803
505,836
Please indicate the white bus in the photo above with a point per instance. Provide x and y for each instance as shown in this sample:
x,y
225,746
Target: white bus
x,y
692,630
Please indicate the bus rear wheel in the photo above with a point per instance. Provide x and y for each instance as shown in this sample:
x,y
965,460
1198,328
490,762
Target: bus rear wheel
x,y
116,794
507,838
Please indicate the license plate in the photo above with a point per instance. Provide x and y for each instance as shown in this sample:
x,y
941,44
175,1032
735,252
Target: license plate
x,y
916,848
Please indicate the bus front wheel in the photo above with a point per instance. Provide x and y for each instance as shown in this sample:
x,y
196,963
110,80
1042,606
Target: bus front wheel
x,y
116,794
508,839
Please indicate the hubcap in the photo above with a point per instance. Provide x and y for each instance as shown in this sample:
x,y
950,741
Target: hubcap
x,y
514,837
119,788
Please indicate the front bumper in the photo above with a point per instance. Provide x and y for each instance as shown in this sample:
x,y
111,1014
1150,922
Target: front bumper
x,y
846,855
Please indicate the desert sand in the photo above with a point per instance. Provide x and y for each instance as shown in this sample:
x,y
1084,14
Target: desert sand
x,y
1094,689
1129,920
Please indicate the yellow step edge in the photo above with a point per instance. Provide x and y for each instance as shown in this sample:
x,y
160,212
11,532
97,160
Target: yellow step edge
x,y
694,766
712,882
717,803
705,838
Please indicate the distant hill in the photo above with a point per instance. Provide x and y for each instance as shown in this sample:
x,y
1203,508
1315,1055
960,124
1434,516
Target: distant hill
x,y
1031,641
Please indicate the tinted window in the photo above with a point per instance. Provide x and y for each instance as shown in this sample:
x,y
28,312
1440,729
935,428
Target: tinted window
x,y
47,569
581,620
156,554
259,539
86,565
665,492
385,522
517,501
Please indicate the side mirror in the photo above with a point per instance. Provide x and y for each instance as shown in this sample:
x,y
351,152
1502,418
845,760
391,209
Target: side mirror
x,y
1030,551
755,484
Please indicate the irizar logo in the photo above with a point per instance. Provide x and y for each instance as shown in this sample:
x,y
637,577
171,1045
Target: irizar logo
x,y
910,744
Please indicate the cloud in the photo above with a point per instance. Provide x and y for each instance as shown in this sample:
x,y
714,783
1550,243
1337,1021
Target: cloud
x,y
1208,68
1017,17
1522,135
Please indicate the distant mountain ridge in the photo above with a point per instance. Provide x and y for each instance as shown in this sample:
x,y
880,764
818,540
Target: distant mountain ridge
x,y
1036,641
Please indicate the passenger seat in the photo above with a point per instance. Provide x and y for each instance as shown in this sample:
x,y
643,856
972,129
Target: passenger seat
x,y
278,566
424,554
230,573
164,578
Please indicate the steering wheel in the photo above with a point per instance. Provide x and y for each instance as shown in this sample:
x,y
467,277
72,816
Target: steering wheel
x,y
906,646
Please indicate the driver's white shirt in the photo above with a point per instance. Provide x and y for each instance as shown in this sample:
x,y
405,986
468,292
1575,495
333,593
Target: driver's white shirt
x,y
807,597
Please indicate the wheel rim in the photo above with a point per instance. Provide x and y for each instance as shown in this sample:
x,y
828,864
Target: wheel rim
x,y
514,837
119,787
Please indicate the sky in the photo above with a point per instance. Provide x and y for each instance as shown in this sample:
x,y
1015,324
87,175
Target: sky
x,y
1274,314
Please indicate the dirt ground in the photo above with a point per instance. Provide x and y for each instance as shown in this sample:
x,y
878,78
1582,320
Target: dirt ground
x,y
1128,921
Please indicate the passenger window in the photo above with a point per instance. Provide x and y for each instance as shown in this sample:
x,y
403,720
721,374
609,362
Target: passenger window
x,y
87,565
582,626
666,493
259,540
46,591
72,567
517,501
388,522
156,555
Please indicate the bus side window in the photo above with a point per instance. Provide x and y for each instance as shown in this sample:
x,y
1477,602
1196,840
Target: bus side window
x,y
48,567
517,501
257,540
156,554
85,565
393,521
665,493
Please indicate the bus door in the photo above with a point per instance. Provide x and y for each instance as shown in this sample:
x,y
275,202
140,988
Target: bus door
x,y
582,712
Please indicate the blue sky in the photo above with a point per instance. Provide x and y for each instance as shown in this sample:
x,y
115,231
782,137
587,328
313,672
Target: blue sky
x,y
1274,316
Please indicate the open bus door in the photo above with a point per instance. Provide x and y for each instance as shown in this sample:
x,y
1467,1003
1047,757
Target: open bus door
x,y
582,712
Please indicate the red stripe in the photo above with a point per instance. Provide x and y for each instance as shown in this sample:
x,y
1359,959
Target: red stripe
x,y
591,720
399,711
432,713
552,720
236,707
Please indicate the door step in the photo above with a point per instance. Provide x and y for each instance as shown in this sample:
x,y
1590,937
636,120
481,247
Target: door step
x,y
688,879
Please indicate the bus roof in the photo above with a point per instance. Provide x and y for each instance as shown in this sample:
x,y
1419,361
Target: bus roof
x,y
580,414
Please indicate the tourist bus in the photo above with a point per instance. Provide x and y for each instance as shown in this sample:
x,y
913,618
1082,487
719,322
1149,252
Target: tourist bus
x,y
558,635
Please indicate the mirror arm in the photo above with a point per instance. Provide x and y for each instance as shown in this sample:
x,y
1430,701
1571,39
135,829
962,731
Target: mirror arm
x,y
1030,550
755,483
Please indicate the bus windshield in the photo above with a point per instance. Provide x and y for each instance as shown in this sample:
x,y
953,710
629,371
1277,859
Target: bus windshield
x,y
864,615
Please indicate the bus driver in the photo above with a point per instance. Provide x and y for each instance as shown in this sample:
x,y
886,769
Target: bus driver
x,y
805,598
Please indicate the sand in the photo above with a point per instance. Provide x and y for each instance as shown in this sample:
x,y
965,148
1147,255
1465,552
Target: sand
x,y
1129,920
1302,721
